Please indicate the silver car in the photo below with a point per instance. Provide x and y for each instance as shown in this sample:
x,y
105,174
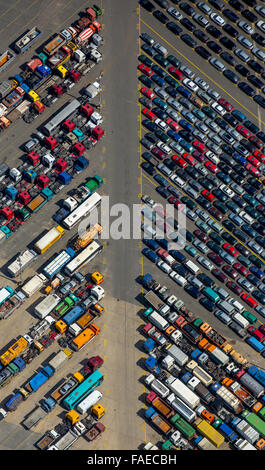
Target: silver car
x,y
202,127
214,94
217,64
161,49
188,72
246,27
245,42
245,284
203,215
258,53
255,247
201,20
204,7
205,263
212,125
175,13
201,83
217,19
198,134
215,138
242,55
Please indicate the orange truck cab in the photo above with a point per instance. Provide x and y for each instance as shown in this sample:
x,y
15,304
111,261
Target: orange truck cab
x,y
257,407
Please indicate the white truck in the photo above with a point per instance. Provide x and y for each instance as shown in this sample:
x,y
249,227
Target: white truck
x,y
21,262
34,417
59,359
33,285
183,392
66,441
46,306
89,401
92,90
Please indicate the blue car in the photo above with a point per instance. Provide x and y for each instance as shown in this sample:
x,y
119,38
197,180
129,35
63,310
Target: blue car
x,y
184,92
252,279
163,192
255,270
161,180
186,145
151,243
150,255
177,255
174,135
163,243
185,124
238,115
158,80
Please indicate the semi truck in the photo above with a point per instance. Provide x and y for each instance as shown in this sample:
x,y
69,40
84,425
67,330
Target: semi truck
x,y
155,302
160,405
33,285
56,265
34,417
160,423
49,239
22,261
39,379
26,41
82,241
47,439
52,46
240,392
47,305
96,430
5,59
38,202
66,441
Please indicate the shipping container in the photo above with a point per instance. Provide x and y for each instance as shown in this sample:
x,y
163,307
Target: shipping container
x,y
209,432
49,239
184,393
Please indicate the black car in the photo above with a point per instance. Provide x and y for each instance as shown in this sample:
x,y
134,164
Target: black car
x,y
250,3
187,8
259,228
213,31
261,136
221,123
255,81
186,135
251,126
188,40
227,237
195,293
220,195
151,126
241,236
146,102
149,50
237,178
241,171
236,5
182,270
203,203
171,81
228,58
148,167
206,303
249,189
226,148
231,30
242,70
227,43
159,71
254,182
218,4
206,280
182,174
239,201
174,28
162,3
198,33
214,47
225,168
230,119
259,39
145,80
255,66
228,225
203,52
188,24
160,16
217,239
174,61
163,192
260,100
147,5
171,91
230,15
192,172
145,60
246,88
249,16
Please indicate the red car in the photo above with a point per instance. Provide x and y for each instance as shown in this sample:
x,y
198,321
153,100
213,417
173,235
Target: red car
x,y
254,140
259,155
147,113
172,199
173,124
189,159
230,249
254,161
243,131
215,258
228,106
199,146
230,271
209,196
249,300
220,276
158,153
177,73
234,287
201,235
148,93
251,169
241,269
216,214
213,168
146,70
258,334
180,162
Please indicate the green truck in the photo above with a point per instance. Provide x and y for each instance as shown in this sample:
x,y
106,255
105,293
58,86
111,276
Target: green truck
x,y
66,304
94,183
185,428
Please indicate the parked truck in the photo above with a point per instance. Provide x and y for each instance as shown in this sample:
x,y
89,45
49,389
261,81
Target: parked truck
x,y
48,438
46,306
66,441
5,59
26,41
34,417
56,265
59,359
38,202
83,240
95,432
22,261
52,46
160,423
49,239
33,285
40,378
160,405
156,303
240,392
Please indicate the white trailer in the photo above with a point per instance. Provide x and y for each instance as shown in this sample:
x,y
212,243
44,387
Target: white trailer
x,y
184,393
66,441
89,401
21,262
46,306
59,359
33,285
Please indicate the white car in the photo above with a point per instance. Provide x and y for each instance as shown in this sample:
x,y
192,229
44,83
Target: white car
x,y
201,83
261,25
163,147
217,64
175,13
258,53
188,72
161,49
245,42
164,267
190,85
228,191
147,200
212,157
261,10
162,125
247,27
218,108
205,263
217,19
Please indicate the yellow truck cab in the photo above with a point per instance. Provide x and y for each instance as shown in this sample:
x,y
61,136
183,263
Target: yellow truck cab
x,y
39,346
33,96
61,326
98,411
72,416
78,376
62,71
97,278
23,392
